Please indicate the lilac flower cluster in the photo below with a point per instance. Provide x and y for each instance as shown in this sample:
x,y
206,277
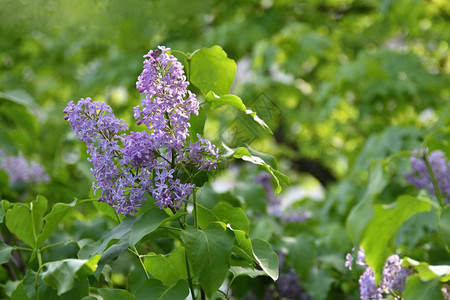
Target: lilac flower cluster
x,y
20,170
274,204
392,282
129,166
420,176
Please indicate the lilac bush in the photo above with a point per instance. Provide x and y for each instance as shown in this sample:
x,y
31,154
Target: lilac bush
x,y
129,166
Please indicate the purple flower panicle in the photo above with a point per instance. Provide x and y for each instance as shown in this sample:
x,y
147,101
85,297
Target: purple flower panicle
x,y
130,166
392,282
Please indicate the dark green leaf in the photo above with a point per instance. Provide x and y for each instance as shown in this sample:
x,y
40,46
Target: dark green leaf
x,y
415,289
19,222
209,252
155,290
444,225
60,274
38,208
115,294
167,268
147,223
5,251
301,254
52,220
225,213
318,283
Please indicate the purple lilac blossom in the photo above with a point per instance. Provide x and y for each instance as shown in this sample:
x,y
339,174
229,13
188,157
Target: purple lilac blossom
x,y
128,167
420,177
274,207
167,105
20,170
393,280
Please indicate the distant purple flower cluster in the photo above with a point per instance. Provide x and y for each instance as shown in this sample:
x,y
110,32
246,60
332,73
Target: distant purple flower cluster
x,y
274,204
392,282
20,170
420,176
130,166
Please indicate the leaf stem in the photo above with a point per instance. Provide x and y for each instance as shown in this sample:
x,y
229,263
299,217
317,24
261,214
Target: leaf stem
x,y
141,261
191,287
194,197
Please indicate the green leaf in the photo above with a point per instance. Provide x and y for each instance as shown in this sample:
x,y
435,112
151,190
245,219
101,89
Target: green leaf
x,y
225,213
52,220
318,283
197,123
415,289
7,142
60,274
266,257
5,252
168,269
147,223
387,221
236,102
243,246
19,293
244,154
209,253
211,70
19,222
4,206
155,290
362,213
239,271
427,272
38,208
115,294
301,255
444,226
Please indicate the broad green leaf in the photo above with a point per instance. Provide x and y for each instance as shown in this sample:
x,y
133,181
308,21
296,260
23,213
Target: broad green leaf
x,y
4,206
209,253
427,272
362,213
266,257
197,123
387,221
167,268
211,70
416,289
19,222
119,233
244,154
239,271
19,97
444,226
19,293
301,255
244,245
60,274
147,223
318,283
5,252
38,208
80,290
52,220
7,142
236,102
115,294
155,290
225,213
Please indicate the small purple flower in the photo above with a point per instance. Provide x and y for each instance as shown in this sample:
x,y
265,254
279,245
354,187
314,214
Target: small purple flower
x,y
420,176
393,280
